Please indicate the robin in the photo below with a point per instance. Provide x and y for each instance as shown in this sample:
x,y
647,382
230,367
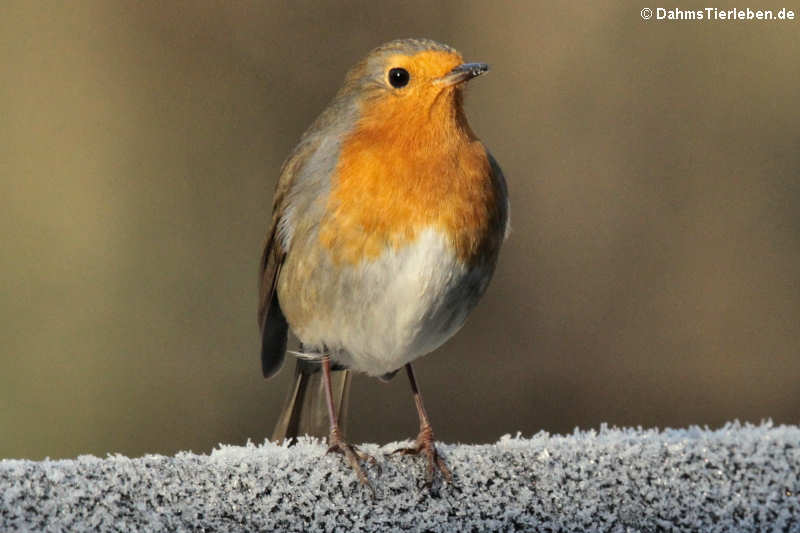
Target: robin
x,y
387,221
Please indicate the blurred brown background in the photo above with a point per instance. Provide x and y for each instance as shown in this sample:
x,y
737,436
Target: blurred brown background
x,y
651,277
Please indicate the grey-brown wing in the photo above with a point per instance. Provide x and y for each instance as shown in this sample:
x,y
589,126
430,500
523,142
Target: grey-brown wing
x,y
274,328
501,190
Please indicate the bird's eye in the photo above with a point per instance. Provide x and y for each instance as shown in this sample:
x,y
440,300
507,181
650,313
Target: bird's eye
x,y
398,77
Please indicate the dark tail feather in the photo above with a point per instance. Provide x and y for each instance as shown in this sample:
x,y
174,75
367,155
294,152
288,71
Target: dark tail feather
x,y
273,338
306,410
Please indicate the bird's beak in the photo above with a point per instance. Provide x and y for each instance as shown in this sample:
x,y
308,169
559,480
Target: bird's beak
x,y
462,73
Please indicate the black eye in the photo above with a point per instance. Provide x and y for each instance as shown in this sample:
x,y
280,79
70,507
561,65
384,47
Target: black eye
x,y
398,77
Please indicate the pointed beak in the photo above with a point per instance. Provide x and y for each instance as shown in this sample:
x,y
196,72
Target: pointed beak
x,y
463,73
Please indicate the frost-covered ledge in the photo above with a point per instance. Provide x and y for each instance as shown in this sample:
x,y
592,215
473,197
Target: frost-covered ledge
x,y
738,478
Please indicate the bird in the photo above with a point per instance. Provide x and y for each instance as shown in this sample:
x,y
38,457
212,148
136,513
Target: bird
x,y
387,222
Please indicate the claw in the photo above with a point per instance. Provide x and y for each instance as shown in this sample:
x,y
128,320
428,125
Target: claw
x,y
425,445
353,455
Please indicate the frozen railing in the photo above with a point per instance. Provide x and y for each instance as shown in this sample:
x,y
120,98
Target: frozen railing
x,y
737,478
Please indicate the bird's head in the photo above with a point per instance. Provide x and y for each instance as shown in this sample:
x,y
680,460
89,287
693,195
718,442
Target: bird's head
x,y
411,78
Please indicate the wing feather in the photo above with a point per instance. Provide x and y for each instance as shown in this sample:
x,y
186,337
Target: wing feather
x,y
274,328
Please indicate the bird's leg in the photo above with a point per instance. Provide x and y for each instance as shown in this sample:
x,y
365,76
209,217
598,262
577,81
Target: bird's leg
x,y
336,442
424,443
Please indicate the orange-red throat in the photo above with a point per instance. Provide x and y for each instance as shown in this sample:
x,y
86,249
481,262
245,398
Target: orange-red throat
x,y
410,163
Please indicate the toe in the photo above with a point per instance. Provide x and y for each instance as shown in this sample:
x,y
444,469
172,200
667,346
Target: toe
x,y
352,454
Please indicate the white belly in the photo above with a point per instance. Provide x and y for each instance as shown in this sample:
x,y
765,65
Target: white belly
x,y
393,309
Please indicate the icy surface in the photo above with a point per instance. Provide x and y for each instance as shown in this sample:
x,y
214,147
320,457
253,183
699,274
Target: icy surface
x,y
738,478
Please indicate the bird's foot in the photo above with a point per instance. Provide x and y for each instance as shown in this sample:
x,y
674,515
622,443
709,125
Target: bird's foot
x,y
425,445
352,454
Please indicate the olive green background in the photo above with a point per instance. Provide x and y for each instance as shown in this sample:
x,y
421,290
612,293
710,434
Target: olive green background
x,y
651,277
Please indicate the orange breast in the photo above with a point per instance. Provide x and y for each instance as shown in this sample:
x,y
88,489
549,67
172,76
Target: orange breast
x,y
401,171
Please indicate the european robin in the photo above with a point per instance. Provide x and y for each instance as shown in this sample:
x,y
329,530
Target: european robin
x,y
387,221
